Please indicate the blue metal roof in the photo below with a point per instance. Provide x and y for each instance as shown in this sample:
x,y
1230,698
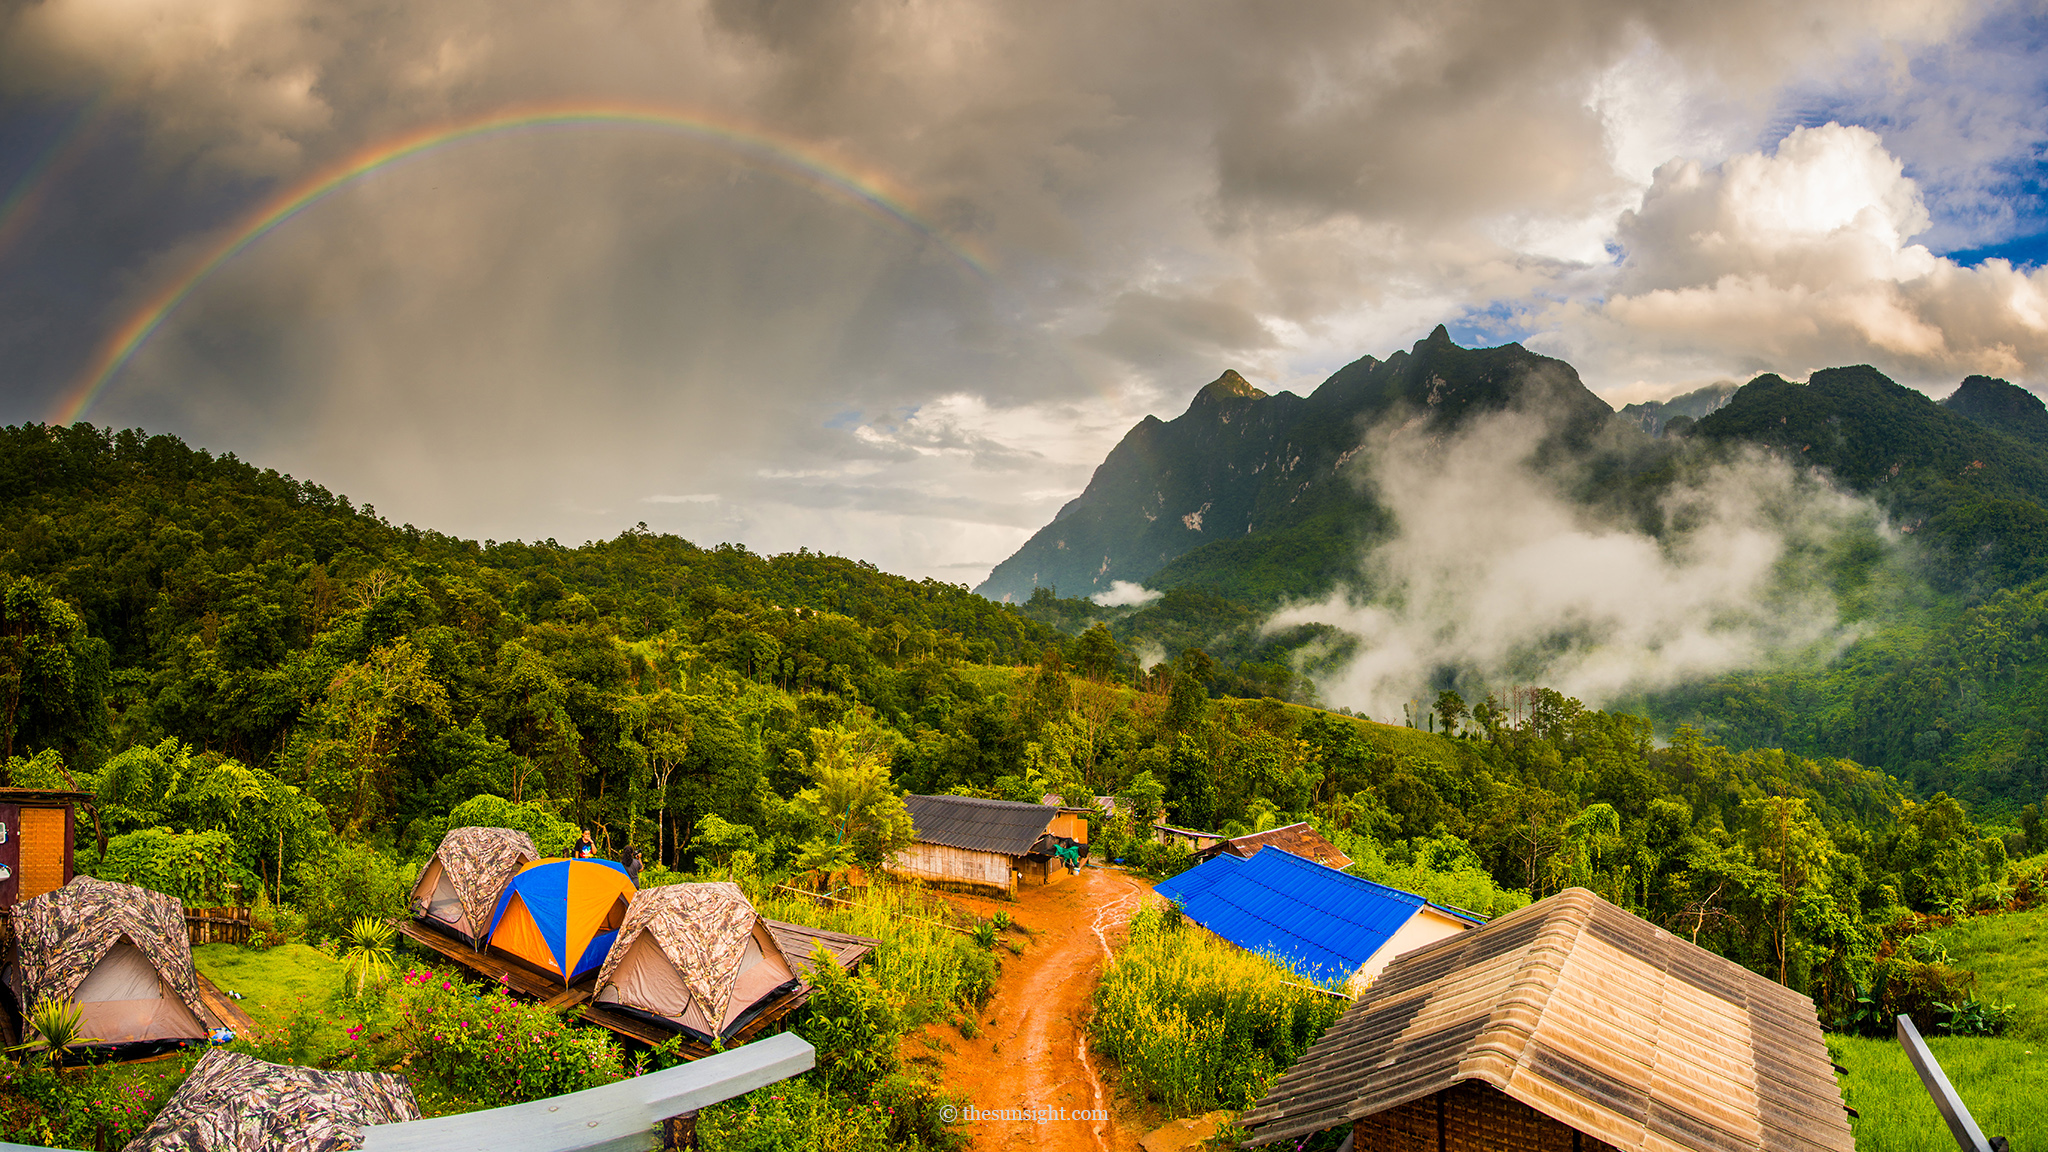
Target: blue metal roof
x,y
1197,879
1321,922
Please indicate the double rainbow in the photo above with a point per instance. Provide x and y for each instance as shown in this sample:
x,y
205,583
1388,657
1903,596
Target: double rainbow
x,y
781,154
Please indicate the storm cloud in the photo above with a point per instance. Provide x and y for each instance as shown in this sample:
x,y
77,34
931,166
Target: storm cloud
x,y
559,331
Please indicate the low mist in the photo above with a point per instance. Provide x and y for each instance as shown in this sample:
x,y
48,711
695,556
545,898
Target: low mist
x,y
1497,577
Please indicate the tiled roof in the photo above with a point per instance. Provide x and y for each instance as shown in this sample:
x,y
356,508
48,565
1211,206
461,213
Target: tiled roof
x,y
1589,1015
1321,922
1299,839
979,825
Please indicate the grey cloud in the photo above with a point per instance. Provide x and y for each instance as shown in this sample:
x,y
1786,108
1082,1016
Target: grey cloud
x,y
531,332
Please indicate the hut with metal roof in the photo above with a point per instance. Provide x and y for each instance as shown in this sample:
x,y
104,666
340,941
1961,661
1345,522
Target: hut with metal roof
x,y
984,844
233,1102
1568,1024
1330,926
1299,839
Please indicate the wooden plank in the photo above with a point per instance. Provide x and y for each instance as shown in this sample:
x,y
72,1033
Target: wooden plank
x,y
227,1014
613,1117
796,940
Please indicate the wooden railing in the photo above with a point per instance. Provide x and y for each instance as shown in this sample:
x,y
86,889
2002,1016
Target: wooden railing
x,y
217,925
618,1117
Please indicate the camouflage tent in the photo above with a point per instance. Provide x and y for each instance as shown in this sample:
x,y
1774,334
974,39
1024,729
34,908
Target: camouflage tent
x,y
120,952
694,955
458,890
237,1103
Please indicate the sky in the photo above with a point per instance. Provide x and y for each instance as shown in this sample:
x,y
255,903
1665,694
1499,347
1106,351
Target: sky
x,y
888,279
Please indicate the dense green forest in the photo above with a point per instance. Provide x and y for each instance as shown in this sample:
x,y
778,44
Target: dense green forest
x,y
264,686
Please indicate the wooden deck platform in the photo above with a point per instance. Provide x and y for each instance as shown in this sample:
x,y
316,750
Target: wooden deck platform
x,y
518,980
796,941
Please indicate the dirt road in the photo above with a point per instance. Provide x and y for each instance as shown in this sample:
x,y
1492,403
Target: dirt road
x,y
1031,1066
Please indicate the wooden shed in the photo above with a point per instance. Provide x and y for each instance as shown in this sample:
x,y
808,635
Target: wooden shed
x,y
1570,1025
985,844
1299,839
36,831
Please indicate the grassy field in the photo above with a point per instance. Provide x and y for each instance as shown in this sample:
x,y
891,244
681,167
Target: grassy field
x,y
2009,954
2003,1081
290,987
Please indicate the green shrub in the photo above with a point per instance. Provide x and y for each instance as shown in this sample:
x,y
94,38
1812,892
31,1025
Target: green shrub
x,y
794,1116
88,1107
1198,1024
196,867
348,881
487,1049
853,1023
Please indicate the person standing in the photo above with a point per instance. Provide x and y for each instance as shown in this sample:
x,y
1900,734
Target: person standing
x,y
630,860
586,847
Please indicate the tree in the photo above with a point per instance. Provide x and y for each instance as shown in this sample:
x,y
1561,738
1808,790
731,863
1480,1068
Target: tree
x,y
368,715
1096,654
52,675
1450,708
852,794
656,736
1793,852
1144,798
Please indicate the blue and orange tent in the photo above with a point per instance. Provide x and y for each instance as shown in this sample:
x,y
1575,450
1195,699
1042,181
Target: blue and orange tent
x,y
561,915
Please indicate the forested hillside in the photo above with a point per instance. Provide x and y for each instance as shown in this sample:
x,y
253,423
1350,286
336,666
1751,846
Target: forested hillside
x,y
265,686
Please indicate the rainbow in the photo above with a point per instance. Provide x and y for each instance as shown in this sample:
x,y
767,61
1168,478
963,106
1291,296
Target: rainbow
x,y
782,154
20,204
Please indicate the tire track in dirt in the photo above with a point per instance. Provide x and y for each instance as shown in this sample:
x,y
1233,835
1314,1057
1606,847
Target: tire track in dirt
x,y
1030,1065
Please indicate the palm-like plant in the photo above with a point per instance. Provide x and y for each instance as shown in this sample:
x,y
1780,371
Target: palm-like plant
x,y
367,959
54,1027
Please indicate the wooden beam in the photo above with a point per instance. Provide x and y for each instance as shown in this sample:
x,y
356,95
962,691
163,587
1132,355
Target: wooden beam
x,y
618,1117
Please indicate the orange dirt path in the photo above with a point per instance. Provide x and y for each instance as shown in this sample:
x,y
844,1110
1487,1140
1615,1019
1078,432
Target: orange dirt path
x,y
1032,1054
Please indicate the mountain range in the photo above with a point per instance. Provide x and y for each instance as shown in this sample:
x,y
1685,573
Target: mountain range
x,y
1261,498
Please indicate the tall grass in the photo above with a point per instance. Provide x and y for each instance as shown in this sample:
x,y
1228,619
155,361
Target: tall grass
x,y
1197,1024
929,967
2002,1081
2008,953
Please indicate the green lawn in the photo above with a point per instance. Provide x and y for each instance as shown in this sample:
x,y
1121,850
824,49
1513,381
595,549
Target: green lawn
x,y
2009,954
2002,1080
285,987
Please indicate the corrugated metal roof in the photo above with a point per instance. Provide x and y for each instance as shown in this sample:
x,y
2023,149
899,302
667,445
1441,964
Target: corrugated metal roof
x,y
1197,879
1589,1015
1321,922
978,825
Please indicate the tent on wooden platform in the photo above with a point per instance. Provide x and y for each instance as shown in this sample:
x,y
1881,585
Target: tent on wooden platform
x,y
696,957
120,953
1568,1024
236,1103
458,890
1330,926
561,916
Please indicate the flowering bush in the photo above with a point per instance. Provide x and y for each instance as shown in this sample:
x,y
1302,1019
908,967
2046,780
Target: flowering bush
x,y
795,1116
87,1107
488,1047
